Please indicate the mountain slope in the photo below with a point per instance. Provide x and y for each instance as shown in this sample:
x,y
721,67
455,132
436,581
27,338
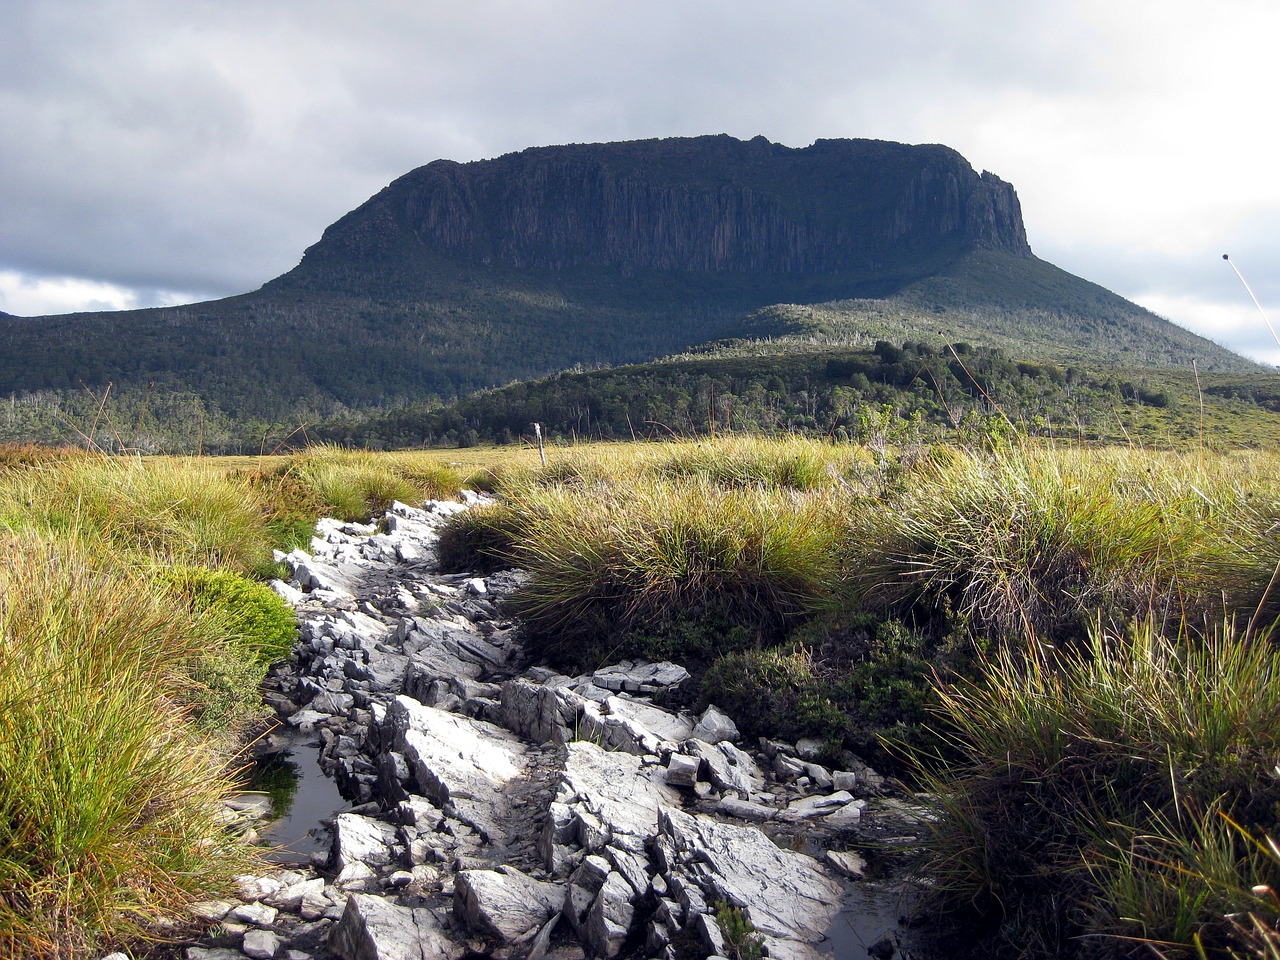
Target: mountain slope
x,y
462,276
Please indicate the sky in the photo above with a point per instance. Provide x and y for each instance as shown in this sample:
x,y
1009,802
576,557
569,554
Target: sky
x,y
158,152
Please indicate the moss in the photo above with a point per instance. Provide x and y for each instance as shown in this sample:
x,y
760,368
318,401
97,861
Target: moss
x,y
250,612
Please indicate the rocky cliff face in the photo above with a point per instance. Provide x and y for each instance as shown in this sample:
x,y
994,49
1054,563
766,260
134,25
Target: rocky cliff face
x,y
704,205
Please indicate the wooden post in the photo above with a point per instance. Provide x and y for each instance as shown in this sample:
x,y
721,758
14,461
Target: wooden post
x,y
537,432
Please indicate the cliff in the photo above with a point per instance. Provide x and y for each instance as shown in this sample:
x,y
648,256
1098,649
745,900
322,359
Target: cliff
x,y
858,208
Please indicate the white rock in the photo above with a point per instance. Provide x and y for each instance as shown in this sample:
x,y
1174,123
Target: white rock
x,y
714,725
210,911
358,839
260,944
257,914
372,928
818,805
504,905
846,862
610,917
682,771
783,893
459,762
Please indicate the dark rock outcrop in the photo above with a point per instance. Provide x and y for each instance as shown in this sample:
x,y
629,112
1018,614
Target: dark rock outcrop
x,y
703,205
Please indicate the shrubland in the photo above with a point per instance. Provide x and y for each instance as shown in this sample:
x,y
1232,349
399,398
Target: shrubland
x,y
1066,650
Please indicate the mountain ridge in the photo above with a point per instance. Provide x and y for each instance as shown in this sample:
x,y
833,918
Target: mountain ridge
x,y
457,277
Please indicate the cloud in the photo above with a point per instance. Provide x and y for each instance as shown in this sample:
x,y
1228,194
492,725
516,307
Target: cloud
x,y
203,146
26,296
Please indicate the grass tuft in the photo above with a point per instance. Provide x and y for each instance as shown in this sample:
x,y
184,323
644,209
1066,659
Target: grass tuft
x,y
107,792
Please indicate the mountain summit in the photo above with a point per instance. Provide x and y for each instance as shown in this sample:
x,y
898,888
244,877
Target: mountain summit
x,y
863,210
459,276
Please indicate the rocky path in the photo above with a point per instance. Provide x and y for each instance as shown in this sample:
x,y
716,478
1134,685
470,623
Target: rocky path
x,y
501,809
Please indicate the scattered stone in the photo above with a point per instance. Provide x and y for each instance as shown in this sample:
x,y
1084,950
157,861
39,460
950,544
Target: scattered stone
x,y
636,676
407,680
682,771
210,911
257,914
260,944
746,809
714,725
816,806
846,862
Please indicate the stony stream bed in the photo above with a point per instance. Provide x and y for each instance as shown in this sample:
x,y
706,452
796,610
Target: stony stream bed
x,y
475,804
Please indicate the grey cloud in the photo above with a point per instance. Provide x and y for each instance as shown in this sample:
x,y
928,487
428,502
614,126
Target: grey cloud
x,y
202,146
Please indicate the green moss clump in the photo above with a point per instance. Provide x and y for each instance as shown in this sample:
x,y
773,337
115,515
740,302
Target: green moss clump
x,y
251,613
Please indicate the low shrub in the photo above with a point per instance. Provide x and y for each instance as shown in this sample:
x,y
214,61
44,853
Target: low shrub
x,y
854,681
247,613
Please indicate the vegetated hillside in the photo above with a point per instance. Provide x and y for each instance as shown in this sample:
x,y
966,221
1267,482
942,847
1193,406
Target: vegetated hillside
x,y
458,277
792,386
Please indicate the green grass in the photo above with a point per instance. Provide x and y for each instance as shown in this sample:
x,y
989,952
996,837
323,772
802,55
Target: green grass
x,y
1091,788
1057,611
107,790
1038,541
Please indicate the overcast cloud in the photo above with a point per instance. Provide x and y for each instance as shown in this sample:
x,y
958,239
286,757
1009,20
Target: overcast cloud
x,y
156,152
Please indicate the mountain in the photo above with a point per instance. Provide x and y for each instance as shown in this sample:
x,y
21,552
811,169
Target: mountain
x,y
459,276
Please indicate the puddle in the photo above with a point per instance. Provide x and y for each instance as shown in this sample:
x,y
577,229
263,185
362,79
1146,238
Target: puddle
x,y
301,796
870,913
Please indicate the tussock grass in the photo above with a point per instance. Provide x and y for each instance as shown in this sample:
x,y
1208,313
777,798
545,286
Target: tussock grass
x,y
355,485
107,791
1091,787
182,511
1037,541
643,555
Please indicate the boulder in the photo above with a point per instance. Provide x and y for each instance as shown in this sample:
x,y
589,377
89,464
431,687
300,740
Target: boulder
x,y
637,676
373,928
358,839
682,771
609,920
725,766
784,894
505,905
617,791
462,765
714,725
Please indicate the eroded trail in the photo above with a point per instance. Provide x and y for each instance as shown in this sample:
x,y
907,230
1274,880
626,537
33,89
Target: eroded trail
x,y
499,808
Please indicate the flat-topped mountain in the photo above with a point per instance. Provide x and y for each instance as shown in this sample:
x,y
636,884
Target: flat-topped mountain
x,y
465,275
864,211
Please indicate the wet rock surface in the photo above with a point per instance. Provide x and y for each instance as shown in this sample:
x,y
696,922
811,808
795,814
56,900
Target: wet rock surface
x,y
498,808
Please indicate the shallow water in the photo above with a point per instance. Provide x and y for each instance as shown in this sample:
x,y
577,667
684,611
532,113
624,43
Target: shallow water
x,y
301,797
871,911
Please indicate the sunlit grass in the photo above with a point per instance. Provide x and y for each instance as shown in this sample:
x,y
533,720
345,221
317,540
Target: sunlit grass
x,y
1094,780
107,790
